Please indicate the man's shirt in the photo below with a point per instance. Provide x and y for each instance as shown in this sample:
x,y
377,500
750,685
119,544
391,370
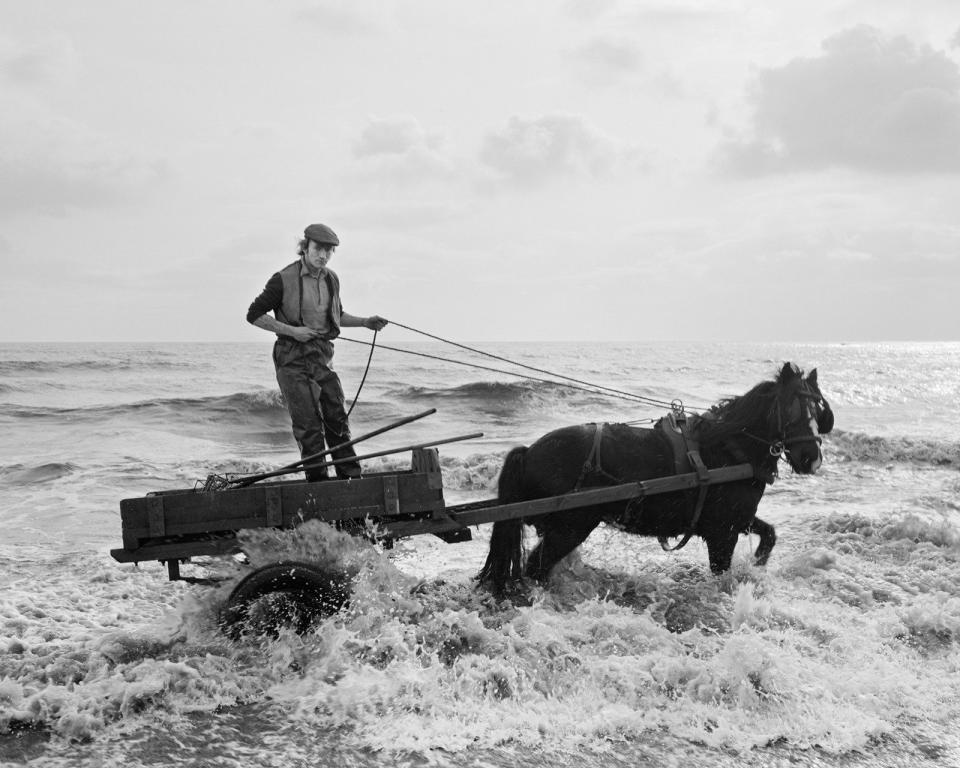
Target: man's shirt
x,y
315,309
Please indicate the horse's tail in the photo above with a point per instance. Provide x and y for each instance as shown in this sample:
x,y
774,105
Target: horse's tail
x,y
504,561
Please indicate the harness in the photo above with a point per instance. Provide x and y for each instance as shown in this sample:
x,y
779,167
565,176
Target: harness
x,y
681,434
592,465
686,458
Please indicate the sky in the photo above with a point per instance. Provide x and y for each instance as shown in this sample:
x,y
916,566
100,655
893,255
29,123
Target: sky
x,y
718,170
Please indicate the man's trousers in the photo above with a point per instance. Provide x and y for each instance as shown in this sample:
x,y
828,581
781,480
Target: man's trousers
x,y
315,402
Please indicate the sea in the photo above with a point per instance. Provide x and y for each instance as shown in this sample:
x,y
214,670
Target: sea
x,y
844,651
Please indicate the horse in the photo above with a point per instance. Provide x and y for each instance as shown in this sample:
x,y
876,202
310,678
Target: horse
x,y
783,417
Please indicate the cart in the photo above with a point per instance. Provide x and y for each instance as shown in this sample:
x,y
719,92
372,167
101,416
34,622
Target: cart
x,y
174,526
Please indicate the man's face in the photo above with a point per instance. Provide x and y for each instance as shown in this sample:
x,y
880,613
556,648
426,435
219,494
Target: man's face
x,y
318,255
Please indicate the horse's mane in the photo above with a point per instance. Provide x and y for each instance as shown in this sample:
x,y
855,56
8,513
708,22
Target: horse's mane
x,y
733,415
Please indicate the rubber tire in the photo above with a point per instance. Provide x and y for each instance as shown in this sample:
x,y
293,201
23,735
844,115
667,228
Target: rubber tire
x,y
316,592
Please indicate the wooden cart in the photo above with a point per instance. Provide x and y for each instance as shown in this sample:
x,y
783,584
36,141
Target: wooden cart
x,y
174,526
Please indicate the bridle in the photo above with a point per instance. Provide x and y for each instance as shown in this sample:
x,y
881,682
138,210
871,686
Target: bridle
x,y
813,408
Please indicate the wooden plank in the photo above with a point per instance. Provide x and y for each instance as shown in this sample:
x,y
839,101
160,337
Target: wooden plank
x,y
191,513
128,532
427,461
273,498
155,519
569,501
591,497
179,549
191,507
391,496
412,493
420,527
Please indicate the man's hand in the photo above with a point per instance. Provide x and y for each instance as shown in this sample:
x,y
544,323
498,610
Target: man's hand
x,y
375,322
302,333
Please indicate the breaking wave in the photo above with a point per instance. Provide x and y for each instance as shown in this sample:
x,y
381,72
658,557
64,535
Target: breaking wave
x,y
254,403
26,474
424,670
16,367
860,447
500,397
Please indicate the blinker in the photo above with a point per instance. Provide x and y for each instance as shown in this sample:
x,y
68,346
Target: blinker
x,y
824,418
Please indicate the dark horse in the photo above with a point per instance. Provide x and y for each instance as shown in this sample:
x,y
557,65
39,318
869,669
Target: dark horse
x,y
785,416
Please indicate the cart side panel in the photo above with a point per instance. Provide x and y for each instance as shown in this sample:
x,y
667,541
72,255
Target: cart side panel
x,y
276,505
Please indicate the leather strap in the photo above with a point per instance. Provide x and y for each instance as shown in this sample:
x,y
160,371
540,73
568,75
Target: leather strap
x,y
591,464
703,475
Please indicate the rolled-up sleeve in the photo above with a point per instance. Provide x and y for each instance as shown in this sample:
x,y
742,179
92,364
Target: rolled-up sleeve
x,y
269,299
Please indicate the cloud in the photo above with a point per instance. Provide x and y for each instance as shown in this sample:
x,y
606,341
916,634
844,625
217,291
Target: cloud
x,y
396,216
50,59
393,136
889,253
50,164
399,150
533,151
54,165
868,103
849,255
609,56
667,11
906,242
338,17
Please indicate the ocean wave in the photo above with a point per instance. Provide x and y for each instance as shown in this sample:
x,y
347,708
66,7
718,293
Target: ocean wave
x,y
257,402
260,400
502,394
476,390
15,367
30,474
478,472
861,447
430,670
936,528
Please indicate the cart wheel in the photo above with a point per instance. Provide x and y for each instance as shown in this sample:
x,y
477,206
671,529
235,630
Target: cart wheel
x,y
287,593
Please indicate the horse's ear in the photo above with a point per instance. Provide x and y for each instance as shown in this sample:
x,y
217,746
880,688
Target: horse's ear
x,y
788,372
812,378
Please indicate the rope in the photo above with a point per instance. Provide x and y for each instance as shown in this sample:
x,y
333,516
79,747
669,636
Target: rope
x,y
481,367
642,398
373,345
595,389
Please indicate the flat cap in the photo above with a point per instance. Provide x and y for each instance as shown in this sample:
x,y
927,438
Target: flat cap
x,y
321,233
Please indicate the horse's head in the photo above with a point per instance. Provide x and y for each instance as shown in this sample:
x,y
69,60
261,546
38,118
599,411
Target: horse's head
x,y
799,417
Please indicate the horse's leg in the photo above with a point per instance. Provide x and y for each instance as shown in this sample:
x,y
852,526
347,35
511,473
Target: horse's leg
x,y
720,550
768,538
563,532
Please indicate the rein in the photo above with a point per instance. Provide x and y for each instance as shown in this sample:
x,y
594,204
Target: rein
x,y
557,380
373,345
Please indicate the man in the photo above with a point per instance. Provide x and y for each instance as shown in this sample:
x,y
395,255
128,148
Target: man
x,y
305,299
